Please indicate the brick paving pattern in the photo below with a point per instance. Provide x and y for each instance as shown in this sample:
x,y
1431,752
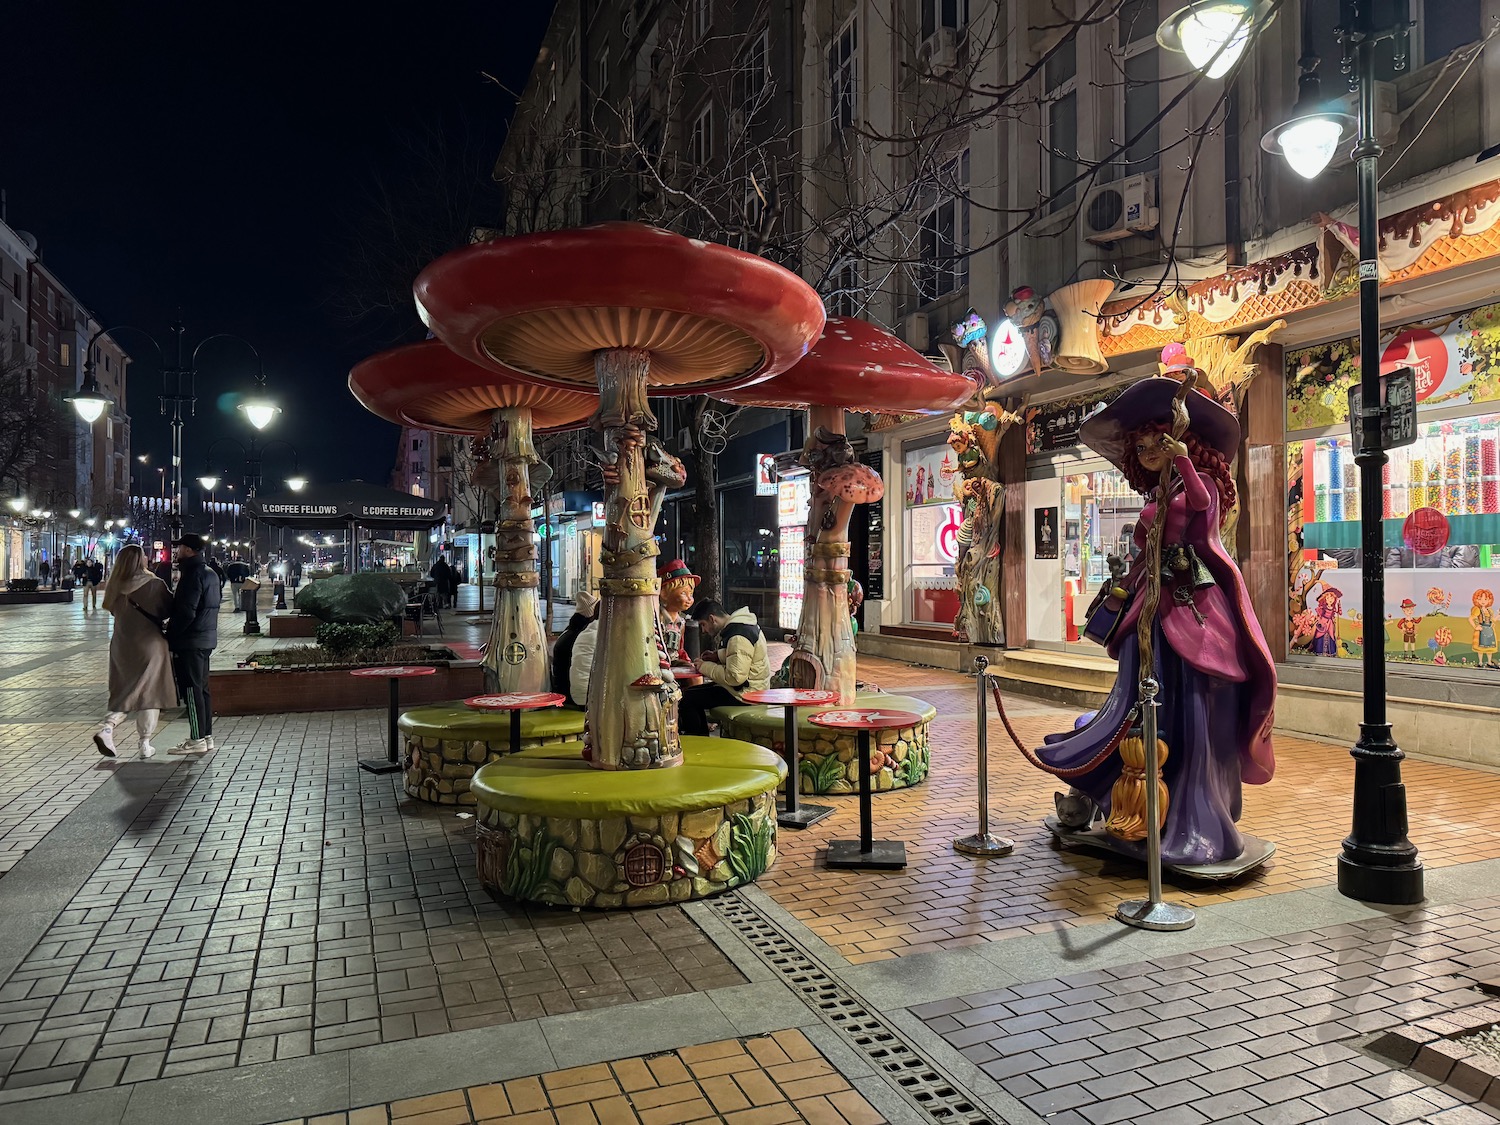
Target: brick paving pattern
x,y
766,1080
271,905
943,900
1262,1033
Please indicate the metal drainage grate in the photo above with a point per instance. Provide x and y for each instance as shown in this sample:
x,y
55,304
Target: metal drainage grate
x,y
933,1093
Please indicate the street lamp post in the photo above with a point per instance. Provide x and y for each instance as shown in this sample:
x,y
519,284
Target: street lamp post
x,y
179,393
253,455
1378,862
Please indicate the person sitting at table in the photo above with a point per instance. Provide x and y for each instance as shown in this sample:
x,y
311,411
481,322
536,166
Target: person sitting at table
x,y
585,612
736,663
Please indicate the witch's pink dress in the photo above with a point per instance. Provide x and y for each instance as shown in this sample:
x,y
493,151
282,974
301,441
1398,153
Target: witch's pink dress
x,y
1218,685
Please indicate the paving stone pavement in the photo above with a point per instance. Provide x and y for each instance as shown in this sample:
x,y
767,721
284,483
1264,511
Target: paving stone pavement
x,y
270,935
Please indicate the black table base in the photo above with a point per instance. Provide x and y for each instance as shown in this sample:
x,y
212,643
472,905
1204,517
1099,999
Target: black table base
x,y
880,855
790,814
391,763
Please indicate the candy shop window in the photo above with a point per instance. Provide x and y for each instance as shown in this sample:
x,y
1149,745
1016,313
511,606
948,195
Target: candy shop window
x,y
933,522
1440,504
1099,515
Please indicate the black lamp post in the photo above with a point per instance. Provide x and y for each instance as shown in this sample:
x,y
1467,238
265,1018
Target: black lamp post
x,y
253,454
1378,863
179,393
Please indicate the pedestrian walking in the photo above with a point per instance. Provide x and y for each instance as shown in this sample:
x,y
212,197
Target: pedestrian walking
x,y
218,568
192,636
80,571
140,667
93,578
57,574
442,579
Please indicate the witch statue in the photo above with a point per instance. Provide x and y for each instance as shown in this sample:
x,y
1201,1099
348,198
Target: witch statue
x,y
1217,680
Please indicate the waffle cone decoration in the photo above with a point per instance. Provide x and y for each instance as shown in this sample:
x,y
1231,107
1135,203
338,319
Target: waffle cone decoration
x,y
1127,800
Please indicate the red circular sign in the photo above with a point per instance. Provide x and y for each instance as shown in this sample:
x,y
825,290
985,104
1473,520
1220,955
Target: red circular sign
x,y
1424,352
1425,531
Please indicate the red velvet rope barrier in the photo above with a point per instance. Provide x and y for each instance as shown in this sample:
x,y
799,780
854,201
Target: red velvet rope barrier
x,y
1077,771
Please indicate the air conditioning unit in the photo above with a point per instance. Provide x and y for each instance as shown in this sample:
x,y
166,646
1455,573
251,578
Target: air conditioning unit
x,y
938,53
915,331
1114,211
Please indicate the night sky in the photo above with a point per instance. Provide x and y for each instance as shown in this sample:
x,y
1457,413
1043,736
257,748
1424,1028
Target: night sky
x,y
219,159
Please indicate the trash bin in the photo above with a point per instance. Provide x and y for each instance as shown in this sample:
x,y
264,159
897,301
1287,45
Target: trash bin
x,y
248,592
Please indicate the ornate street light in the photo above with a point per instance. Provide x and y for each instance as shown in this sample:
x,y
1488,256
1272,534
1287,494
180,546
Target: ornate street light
x,y
89,400
209,481
1378,863
1213,34
296,484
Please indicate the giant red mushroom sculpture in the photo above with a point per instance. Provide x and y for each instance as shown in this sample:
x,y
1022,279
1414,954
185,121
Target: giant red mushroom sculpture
x,y
855,365
634,311
429,386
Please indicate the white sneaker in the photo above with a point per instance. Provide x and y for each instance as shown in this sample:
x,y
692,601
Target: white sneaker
x,y
105,741
147,749
209,740
190,746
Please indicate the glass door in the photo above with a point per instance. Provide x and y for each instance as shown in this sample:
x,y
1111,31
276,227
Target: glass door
x,y
1099,514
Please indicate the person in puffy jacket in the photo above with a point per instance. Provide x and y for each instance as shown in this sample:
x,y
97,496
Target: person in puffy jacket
x,y
735,664
192,636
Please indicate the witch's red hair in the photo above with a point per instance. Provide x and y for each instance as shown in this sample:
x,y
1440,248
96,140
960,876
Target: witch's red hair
x,y
1207,460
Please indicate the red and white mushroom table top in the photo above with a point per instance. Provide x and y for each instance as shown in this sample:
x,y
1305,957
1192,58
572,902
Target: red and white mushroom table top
x,y
866,718
791,697
515,701
396,671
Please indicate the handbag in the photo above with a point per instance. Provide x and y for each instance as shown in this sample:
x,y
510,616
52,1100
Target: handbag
x,y
1105,613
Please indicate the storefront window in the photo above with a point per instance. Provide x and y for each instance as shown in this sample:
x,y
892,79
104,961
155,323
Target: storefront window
x,y
1440,500
932,524
1099,515
751,546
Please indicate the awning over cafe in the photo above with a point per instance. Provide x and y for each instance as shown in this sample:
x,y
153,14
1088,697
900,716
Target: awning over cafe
x,y
336,505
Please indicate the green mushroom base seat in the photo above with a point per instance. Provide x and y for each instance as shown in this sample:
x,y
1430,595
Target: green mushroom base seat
x,y
443,744
553,829
829,759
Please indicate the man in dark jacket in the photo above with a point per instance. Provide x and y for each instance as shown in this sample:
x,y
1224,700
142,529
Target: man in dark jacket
x,y
442,578
192,635
586,609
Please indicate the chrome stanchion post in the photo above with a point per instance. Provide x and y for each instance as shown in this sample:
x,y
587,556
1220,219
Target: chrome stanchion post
x,y
982,843
1153,913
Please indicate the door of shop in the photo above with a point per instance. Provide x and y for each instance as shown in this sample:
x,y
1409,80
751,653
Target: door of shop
x,y
1099,514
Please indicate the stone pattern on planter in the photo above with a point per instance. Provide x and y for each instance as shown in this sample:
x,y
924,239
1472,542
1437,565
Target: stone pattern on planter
x,y
438,769
829,760
627,862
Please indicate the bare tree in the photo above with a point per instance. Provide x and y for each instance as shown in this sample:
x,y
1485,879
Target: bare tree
x,y
30,422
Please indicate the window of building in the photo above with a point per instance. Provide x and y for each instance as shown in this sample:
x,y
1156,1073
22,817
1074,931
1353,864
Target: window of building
x,y
752,72
602,89
701,139
64,354
932,523
416,444
1140,132
1439,27
1060,113
950,14
943,238
15,285
570,50
703,17
848,295
843,76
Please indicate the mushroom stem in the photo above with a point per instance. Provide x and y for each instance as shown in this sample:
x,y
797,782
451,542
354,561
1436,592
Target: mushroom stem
x,y
517,657
627,728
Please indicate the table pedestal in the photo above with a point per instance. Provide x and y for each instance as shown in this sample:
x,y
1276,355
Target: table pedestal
x,y
391,763
879,855
791,814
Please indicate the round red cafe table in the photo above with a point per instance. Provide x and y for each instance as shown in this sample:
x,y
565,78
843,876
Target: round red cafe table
x,y
395,673
789,699
515,702
686,675
883,855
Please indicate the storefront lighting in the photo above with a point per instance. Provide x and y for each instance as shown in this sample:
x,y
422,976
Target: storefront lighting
x,y
1008,352
1213,34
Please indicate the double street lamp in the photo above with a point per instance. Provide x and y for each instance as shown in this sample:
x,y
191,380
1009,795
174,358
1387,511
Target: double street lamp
x,y
253,454
1378,863
179,393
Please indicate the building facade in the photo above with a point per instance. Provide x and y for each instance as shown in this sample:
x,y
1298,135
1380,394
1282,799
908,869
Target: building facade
x,y
915,159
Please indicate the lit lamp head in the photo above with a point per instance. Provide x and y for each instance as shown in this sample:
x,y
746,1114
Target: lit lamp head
x,y
1315,131
74,513
209,481
258,408
89,400
1213,34
296,484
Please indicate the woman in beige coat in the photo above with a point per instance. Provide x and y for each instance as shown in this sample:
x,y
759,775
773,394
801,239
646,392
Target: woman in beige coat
x,y
140,668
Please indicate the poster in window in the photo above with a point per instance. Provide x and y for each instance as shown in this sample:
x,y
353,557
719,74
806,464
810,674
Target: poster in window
x,y
1046,532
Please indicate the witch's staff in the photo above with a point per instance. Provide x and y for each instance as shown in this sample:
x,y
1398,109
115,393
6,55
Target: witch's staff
x,y
1152,913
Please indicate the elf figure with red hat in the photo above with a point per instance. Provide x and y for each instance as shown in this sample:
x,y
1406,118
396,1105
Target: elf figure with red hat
x,y
679,587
